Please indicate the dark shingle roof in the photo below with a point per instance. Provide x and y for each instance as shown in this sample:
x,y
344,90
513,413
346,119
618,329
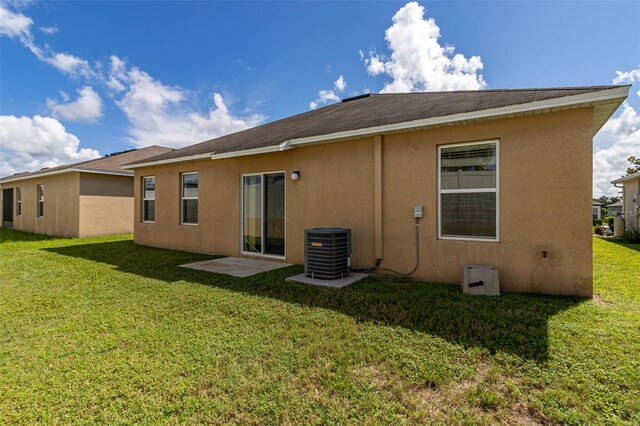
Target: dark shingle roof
x,y
109,163
371,111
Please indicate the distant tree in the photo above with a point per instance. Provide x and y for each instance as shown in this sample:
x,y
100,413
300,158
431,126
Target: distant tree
x,y
634,167
608,200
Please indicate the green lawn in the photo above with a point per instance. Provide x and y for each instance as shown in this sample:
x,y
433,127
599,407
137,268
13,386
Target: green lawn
x,y
103,331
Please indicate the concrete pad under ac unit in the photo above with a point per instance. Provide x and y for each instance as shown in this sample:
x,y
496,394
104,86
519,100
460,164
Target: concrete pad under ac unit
x,y
337,283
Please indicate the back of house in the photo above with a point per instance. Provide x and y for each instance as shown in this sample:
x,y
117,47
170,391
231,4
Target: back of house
x,y
479,165
89,198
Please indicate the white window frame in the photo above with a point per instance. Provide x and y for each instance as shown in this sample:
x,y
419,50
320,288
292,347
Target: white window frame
x,y
18,201
148,199
40,200
182,198
251,253
467,191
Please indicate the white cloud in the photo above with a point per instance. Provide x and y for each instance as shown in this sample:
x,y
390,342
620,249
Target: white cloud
x,y
418,62
67,63
628,77
48,30
340,84
618,139
324,97
14,24
17,25
88,106
329,96
160,114
29,144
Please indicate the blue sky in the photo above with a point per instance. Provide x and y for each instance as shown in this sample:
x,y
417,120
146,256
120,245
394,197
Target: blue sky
x,y
82,78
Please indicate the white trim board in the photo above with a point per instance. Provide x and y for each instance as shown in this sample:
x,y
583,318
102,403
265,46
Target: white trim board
x,y
605,102
69,170
168,161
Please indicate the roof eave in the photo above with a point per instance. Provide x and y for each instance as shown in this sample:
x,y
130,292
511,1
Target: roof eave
x,y
610,97
605,103
68,170
635,175
133,166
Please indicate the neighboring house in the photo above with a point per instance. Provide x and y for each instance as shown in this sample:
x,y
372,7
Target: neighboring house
x,y
614,209
630,199
596,208
479,162
93,197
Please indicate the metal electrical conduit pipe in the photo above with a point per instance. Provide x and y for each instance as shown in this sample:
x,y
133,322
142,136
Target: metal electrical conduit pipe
x,y
402,274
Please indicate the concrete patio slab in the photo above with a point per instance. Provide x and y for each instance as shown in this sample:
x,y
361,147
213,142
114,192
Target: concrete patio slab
x,y
236,266
338,283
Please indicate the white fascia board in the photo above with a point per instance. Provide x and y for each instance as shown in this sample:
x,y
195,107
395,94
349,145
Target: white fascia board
x,y
586,98
103,172
167,161
285,146
43,174
565,101
635,175
69,170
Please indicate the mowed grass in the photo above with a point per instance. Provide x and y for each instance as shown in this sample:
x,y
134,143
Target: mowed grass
x,y
104,331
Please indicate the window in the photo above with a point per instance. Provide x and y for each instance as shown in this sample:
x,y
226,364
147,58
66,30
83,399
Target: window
x,y
18,201
149,199
40,209
468,191
190,198
595,212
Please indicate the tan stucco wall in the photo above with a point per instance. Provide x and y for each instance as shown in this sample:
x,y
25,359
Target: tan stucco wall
x,y
76,205
61,205
544,160
106,204
631,188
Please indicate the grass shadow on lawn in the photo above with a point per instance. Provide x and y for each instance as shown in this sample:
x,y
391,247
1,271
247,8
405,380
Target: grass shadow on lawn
x,y
513,323
8,235
617,242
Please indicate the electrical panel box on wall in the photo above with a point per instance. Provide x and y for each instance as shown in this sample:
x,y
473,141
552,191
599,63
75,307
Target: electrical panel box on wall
x,y
417,211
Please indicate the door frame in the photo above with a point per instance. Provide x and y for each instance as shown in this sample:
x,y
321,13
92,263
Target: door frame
x,y
8,204
251,253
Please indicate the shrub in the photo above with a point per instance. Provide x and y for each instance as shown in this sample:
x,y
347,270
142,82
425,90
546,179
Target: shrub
x,y
630,236
610,221
598,222
599,230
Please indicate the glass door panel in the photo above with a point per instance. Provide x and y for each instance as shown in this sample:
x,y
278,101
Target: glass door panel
x,y
274,214
263,214
252,214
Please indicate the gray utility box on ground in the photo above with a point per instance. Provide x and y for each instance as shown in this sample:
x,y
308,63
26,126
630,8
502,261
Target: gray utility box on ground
x,y
480,280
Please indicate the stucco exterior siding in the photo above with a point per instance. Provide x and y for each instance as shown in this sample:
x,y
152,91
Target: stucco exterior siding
x,y
631,188
545,159
76,205
335,189
61,205
106,204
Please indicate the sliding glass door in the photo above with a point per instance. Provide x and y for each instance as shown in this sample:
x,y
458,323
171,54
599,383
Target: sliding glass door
x,y
263,214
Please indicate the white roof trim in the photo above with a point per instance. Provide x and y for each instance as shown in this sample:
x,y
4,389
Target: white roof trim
x,y
69,170
167,161
582,100
635,175
103,172
587,98
284,146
